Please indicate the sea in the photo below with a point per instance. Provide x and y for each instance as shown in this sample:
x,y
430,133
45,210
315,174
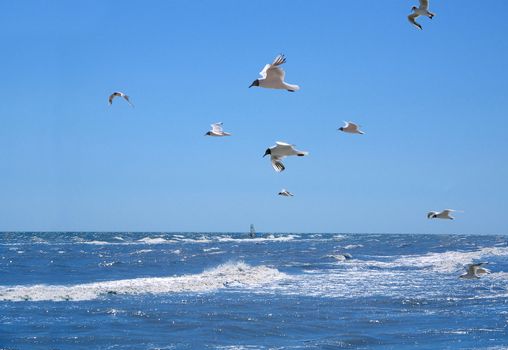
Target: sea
x,y
69,290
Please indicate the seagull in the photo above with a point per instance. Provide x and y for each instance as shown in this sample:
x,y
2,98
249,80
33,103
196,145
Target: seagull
x,y
445,214
119,94
279,152
423,10
474,270
285,193
351,128
272,76
217,130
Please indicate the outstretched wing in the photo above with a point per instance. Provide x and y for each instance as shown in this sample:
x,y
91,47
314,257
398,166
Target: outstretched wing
x,y
113,95
283,145
127,99
273,71
353,125
412,19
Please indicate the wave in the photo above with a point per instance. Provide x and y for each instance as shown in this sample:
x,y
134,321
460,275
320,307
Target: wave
x,y
229,275
446,262
353,246
156,240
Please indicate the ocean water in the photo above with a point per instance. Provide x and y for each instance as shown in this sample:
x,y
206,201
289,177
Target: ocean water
x,y
227,291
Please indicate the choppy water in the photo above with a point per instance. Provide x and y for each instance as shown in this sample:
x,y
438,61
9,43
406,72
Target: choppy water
x,y
227,291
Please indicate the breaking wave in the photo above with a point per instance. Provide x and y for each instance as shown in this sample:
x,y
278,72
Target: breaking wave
x,y
446,262
229,275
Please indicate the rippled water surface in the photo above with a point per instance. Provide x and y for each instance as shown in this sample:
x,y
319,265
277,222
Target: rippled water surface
x,y
227,291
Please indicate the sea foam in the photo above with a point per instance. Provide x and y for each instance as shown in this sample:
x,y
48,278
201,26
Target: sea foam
x,y
232,274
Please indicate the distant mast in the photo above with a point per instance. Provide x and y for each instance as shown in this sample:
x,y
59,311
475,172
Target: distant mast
x,y
252,233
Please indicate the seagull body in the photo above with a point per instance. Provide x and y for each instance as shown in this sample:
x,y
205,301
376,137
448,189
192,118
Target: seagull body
x,y
272,76
423,10
474,270
445,214
280,151
285,193
351,128
119,94
217,130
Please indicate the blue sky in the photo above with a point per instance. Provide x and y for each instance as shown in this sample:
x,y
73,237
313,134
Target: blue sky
x,y
433,104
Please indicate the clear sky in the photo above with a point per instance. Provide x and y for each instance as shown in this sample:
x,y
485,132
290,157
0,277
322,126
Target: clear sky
x,y
433,104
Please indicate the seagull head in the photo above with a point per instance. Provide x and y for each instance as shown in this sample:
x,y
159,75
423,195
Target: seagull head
x,y
267,152
208,133
414,8
341,128
254,83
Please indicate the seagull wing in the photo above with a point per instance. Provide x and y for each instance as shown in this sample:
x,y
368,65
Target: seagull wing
x,y
277,164
412,19
273,71
111,97
217,127
127,99
430,214
263,72
424,4
283,144
284,149
280,59
352,125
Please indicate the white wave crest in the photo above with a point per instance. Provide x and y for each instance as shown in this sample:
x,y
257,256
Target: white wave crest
x,y
156,240
446,262
238,275
353,246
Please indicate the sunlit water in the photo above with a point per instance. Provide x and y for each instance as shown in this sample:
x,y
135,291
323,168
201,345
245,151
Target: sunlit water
x,y
227,291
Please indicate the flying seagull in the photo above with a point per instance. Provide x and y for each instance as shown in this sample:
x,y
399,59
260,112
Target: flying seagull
x,y
217,130
279,152
119,94
445,214
351,128
285,193
416,12
272,76
475,270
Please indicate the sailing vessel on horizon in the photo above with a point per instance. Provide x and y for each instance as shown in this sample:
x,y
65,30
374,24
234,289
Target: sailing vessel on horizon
x,y
252,233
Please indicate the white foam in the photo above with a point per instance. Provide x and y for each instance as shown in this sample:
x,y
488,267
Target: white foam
x,y
446,262
156,240
238,275
141,251
353,246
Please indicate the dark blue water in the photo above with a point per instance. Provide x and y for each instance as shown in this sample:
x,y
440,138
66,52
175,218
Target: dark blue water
x,y
226,291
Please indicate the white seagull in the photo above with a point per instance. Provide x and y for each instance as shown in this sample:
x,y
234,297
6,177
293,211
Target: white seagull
x,y
423,10
272,76
217,130
475,270
351,128
279,152
285,193
445,214
119,94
